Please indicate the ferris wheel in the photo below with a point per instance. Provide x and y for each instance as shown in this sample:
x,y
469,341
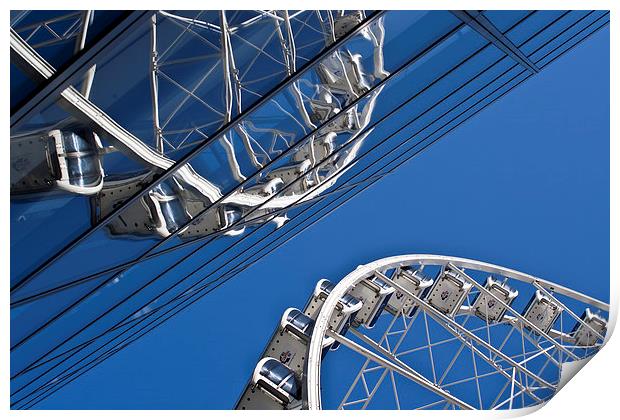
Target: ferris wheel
x,y
427,332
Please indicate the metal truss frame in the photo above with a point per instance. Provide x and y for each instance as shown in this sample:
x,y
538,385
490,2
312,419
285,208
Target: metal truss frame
x,y
542,352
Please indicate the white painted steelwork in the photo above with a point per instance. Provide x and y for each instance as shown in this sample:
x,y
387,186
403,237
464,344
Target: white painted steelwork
x,y
567,347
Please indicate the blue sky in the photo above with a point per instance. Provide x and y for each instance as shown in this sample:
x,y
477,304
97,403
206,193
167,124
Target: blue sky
x,y
524,184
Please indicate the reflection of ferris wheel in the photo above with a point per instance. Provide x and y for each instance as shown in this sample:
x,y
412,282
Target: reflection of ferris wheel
x,y
204,69
427,332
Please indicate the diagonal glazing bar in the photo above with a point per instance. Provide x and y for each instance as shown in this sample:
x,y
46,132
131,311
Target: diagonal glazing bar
x,y
379,349
77,68
484,27
464,52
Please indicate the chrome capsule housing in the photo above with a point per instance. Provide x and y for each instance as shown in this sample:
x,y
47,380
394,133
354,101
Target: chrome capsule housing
x,y
345,310
415,282
278,381
374,294
488,308
583,335
542,312
449,291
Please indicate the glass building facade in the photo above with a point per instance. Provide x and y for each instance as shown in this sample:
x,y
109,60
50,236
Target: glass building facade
x,y
156,155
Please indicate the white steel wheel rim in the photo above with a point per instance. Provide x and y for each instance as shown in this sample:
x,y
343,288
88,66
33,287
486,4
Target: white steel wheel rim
x,y
313,371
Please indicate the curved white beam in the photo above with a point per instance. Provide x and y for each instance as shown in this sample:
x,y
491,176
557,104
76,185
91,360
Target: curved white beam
x,y
313,380
84,110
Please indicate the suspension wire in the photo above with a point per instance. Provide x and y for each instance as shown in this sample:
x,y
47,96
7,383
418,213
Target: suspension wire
x,y
241,269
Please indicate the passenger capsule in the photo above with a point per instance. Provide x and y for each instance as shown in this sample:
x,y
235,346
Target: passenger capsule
x,y
343,24
486,307
345,309
449,291
267,189
416,283
297,323
67,160
583,335
542,312
166,207
278,381
300,325
289,173
374,294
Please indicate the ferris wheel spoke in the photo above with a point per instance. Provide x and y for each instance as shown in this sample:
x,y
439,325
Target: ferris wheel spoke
x,y
357,379
461,332
501,371
397,367
262,47
375,388
395,390
277,47
385,339
473,359
523,321
431,405
510,383
430,348
510,399
186,28
473,377
437,343
446,334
